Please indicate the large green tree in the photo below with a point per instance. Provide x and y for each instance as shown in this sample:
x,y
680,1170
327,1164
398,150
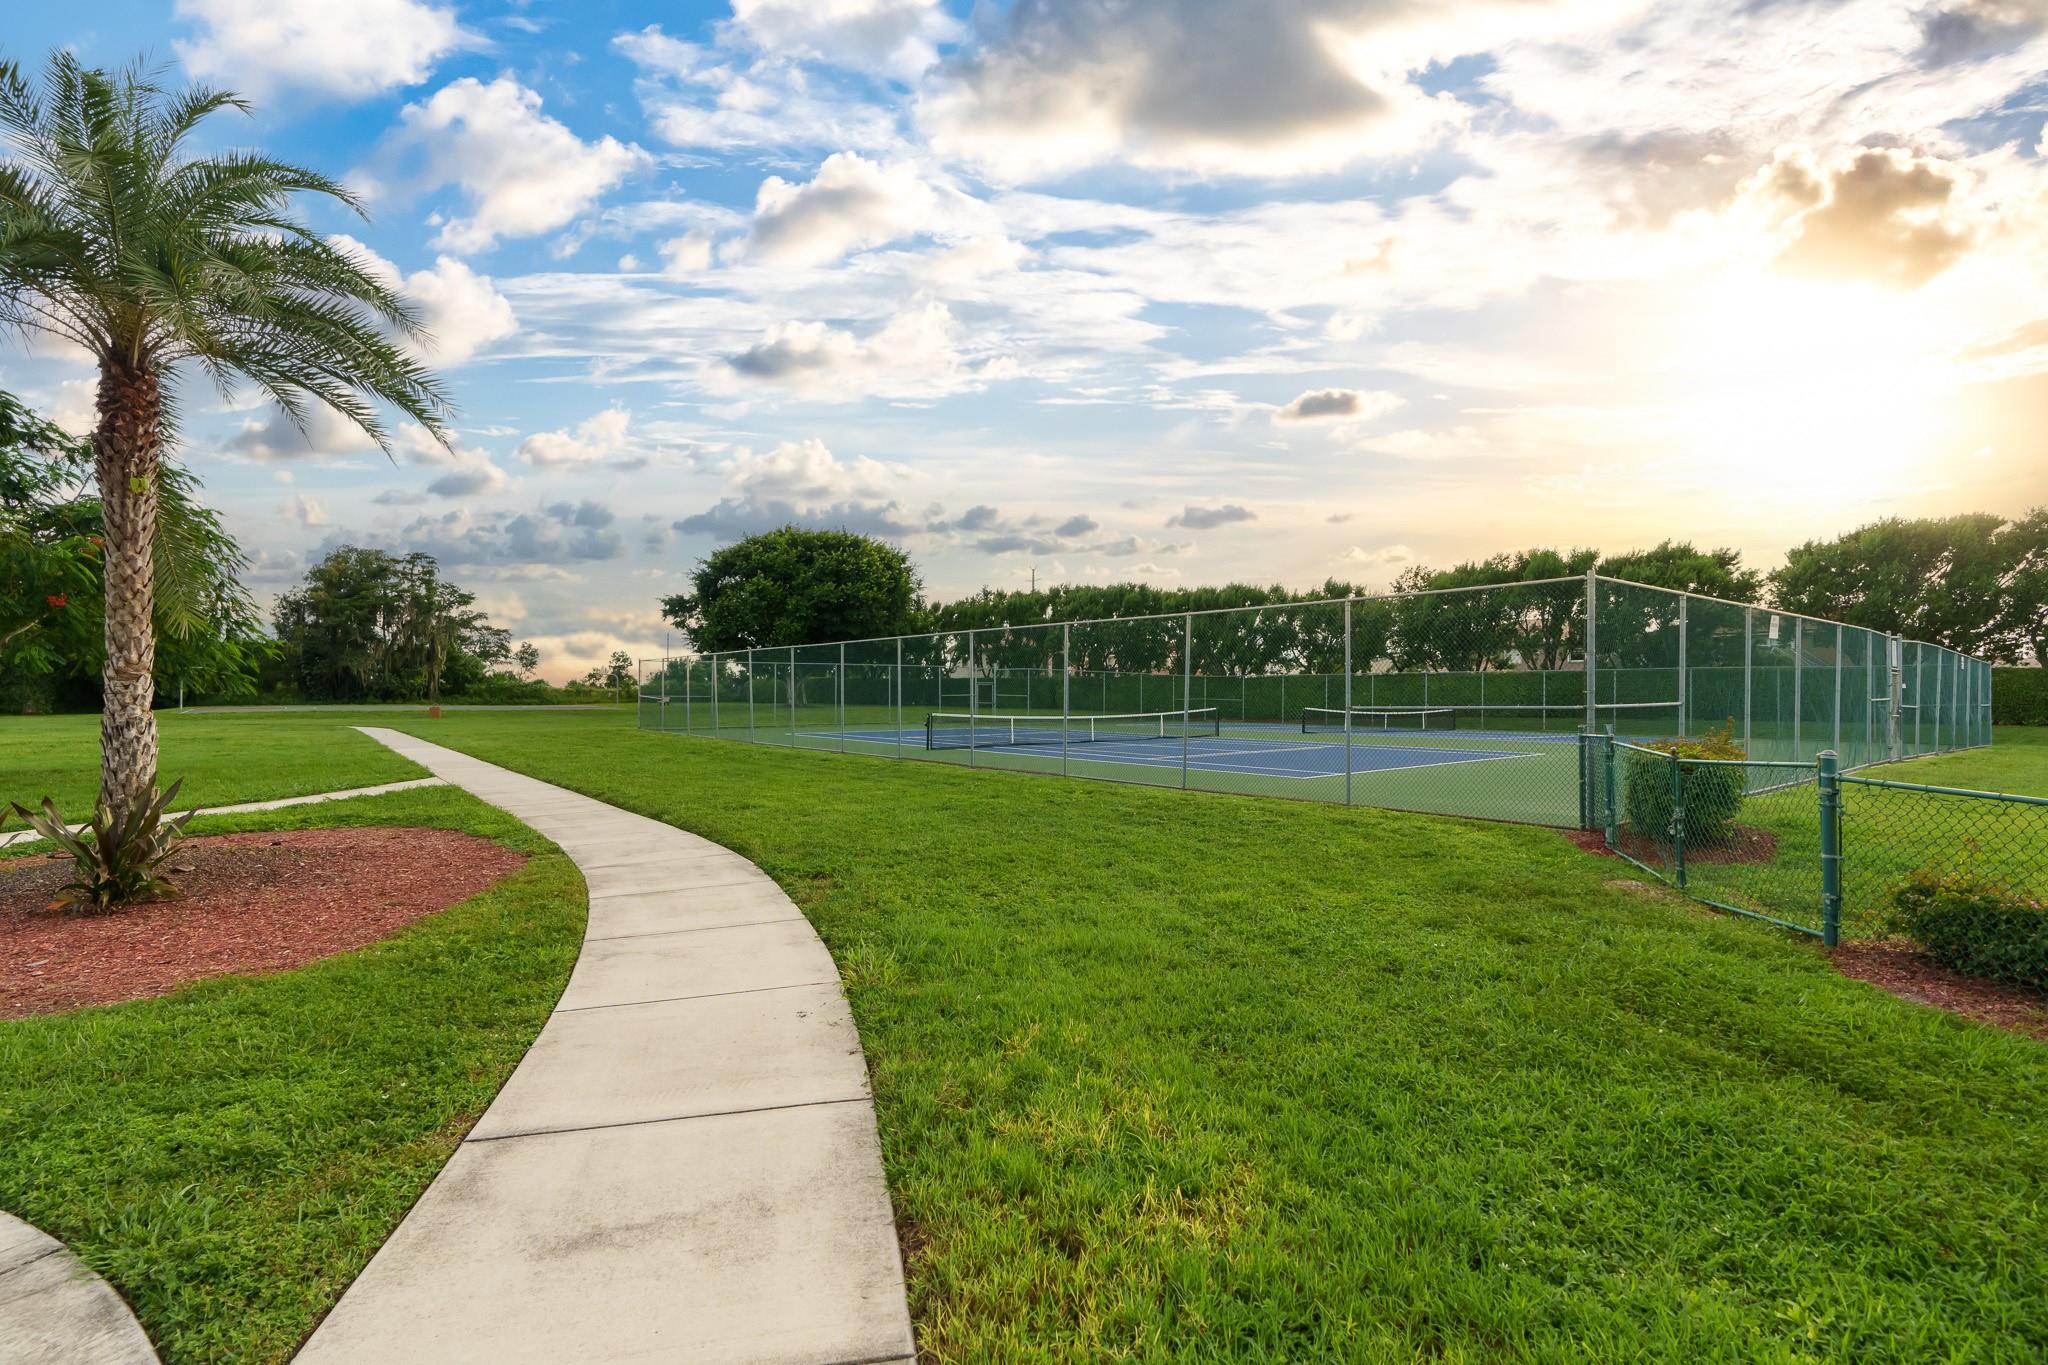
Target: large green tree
x,y
209,636
794,587
117,237
1971,582
367,625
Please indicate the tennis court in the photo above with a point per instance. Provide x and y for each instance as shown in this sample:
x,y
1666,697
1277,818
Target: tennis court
x,y
1480,702
1530,775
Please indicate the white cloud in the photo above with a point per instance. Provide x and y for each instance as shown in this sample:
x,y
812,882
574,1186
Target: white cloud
x,y
355,49
803,483
701,97
849,204
900,36
598,438
273,436
522,172
689,254
304,510
462,311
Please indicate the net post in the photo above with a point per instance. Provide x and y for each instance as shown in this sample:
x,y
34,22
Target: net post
x,y
1592,650
1187,685
973,703
839,691
1830,848
1347,701
1066,690
896,684
1684,667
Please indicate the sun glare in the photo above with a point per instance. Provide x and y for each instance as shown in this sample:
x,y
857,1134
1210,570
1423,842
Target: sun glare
x,y
1809,387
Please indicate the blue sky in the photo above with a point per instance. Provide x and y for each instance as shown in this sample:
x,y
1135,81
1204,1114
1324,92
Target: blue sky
x,y
1182,291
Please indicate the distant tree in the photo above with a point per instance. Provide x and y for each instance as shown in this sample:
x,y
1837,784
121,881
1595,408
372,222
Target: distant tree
x,y
1946,580
525,659
794,587
367,625
1677,565
618,674
2023,625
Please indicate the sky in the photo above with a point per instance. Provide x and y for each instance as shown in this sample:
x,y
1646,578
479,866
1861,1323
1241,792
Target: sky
x,y
1180,291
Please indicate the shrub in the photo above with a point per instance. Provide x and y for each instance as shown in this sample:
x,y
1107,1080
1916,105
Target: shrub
x,y
1973,923
117,865
1713,795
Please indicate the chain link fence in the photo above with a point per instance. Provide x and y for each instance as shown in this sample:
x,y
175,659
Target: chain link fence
x,y
1810,847
1492,702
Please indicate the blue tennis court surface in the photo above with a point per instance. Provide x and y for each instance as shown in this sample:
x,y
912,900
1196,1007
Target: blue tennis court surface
x,y
1271,751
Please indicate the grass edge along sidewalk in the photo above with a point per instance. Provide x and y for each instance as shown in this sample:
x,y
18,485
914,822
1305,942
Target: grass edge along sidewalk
x,y
230,1155
1160,1077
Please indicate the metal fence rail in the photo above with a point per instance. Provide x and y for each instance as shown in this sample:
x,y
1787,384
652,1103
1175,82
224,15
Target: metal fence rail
x,y
1489,702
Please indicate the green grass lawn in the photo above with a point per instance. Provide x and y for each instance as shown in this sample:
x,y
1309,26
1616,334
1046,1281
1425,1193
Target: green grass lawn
x,y
230,1155
1190,1076
223,759
2015,762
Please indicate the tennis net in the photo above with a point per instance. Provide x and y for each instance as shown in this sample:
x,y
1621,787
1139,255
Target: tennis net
x,y
1329,720
958,730
1633,717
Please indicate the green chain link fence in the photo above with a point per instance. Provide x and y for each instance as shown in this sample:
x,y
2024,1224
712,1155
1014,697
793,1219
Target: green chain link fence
x,y
1808,846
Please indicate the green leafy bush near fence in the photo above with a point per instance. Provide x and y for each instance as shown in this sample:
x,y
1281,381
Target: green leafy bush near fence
x,y
1975,924
2019,696
1713,795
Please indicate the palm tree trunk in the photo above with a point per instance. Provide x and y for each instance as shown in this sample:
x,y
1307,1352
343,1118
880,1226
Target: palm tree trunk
x,y
126,447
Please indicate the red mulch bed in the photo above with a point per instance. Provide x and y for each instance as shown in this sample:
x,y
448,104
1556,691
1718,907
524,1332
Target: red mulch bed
x,y
250,903
1907,972
1747,844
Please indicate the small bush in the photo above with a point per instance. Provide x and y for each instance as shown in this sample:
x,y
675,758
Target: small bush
x,y
1976,924
1713,795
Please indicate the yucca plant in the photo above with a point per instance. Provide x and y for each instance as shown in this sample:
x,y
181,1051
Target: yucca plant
x,y
115,859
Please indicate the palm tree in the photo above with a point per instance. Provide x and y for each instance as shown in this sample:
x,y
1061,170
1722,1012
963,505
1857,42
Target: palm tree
x,y
116,238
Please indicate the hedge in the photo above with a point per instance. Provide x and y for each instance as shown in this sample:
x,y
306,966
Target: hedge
x,y
2019,696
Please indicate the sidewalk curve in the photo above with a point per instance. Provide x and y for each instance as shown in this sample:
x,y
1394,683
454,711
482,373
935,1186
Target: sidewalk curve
x,y
55,1311
684,1166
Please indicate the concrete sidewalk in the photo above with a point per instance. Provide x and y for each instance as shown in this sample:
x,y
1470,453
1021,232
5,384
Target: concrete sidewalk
x,y
683,1167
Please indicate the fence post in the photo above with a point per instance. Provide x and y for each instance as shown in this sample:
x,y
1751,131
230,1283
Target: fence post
x,y
1684,690
796,687
973,703
1592,650
1830,848
1187,685
1610,811
1347,701
1066,690
1840,635
1678,820
1748,676
897,689
839,691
